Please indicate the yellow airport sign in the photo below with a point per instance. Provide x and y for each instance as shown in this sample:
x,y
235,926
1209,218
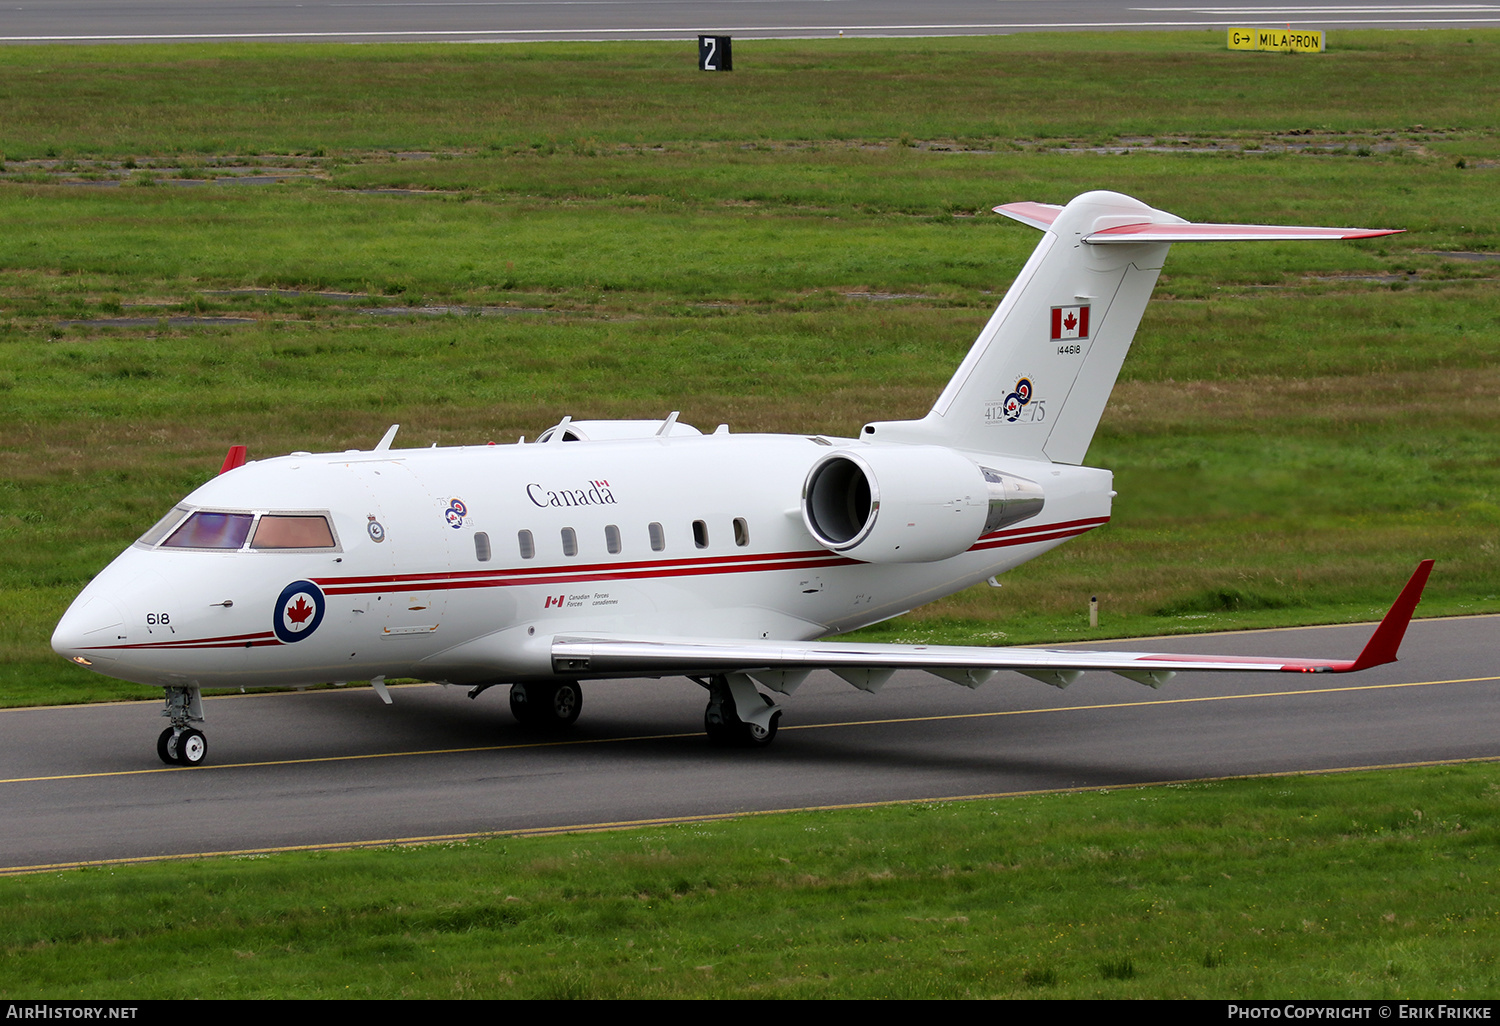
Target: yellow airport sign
x,y
1283,40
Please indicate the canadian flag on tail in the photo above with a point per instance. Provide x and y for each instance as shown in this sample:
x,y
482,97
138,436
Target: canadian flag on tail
x,y
1070,322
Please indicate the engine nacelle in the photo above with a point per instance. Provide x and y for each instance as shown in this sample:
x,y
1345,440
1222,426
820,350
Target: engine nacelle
x,y
910,504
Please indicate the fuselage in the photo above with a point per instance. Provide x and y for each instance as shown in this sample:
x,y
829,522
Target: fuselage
x,y
461,564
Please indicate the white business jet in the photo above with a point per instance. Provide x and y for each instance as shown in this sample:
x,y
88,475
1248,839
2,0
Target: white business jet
x,y
613,549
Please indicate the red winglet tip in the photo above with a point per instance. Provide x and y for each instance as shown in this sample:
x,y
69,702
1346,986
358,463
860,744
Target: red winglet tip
x,y
1382,646
234,458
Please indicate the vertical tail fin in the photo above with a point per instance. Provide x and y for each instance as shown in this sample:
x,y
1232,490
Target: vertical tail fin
x,y
1036,380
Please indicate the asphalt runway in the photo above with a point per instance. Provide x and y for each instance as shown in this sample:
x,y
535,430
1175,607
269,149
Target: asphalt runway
x,y
337,768
85,21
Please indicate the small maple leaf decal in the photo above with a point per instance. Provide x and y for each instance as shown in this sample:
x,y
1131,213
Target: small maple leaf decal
x,y
299,611
1070,321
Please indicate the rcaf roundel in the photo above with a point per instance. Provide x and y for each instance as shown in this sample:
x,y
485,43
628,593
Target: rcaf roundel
x,y
299,610
1070,322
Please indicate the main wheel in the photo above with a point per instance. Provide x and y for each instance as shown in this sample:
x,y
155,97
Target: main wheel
x,y
760,737
521,706
165,748
192,748
546,705
726,730
564,704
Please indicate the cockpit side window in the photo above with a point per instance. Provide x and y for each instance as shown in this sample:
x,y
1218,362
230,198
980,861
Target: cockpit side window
x,y
159,530
205,530
282,531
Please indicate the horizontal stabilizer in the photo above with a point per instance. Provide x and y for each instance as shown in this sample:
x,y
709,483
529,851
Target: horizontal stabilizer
x,y
1038,215
1229,233
1159,226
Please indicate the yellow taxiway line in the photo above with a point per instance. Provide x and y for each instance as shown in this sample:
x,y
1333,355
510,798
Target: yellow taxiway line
x,y
708,817
563,743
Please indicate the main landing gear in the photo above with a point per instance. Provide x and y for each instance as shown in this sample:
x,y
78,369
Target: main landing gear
x,y
739,715
548,704
182,744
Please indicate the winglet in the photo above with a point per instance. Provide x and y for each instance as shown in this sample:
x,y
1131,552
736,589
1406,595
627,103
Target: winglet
x,y
1381,648
232,459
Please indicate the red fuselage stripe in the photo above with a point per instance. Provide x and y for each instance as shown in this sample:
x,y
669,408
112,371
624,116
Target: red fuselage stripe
x,y
683,565
229,641
1049,532
566,575
642,569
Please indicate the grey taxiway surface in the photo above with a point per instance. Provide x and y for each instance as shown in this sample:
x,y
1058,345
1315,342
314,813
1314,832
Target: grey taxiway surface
x,y
514,20
331,768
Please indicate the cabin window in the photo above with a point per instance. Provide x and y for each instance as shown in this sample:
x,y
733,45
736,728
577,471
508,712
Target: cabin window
x,y
482,547
658,538
741,531
204,530
279,531
528,546
161,527
570,541
700,534
612,538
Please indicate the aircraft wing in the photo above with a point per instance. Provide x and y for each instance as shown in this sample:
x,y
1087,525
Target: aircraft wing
x,y
781,665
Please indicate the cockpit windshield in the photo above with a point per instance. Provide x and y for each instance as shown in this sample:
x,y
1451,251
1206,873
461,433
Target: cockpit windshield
x,y
222,529
277,531
159,529
206,530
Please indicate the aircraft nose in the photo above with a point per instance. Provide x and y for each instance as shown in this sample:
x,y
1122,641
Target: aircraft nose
x,y
87,626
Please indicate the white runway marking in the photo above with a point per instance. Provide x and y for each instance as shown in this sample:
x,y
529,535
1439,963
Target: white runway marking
x,y
1236,12
561,3
1278,11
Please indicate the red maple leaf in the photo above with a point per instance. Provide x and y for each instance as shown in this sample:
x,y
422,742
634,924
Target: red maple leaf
x,y
300,611
1070,322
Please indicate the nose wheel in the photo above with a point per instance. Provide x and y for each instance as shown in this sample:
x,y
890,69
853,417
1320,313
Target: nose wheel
x,y
182,744
182,747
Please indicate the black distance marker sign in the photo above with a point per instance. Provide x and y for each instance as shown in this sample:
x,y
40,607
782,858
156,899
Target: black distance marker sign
x,y
714,54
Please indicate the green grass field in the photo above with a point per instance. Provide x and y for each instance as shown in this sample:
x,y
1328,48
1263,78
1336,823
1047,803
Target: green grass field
x,y
1377,886
745,280
477,240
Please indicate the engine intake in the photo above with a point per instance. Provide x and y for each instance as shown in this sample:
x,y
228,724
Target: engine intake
x,y
910,504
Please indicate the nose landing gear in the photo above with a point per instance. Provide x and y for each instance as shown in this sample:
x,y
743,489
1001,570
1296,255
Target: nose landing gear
x,y
182,744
